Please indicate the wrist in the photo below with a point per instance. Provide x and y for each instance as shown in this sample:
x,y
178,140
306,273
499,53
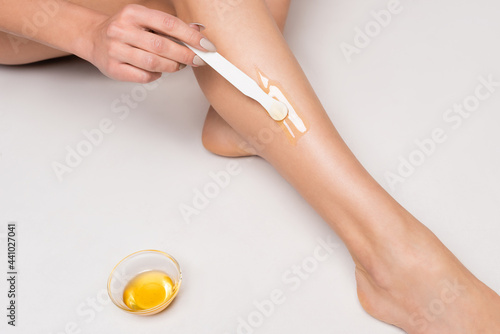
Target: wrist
x,y
85,24
84,44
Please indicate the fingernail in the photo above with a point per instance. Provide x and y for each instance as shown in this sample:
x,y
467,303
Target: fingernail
x,y
207,45
198,26
198,61
182,66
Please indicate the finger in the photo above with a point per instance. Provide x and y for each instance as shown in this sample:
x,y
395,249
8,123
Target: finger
x,y
127,72
160,46
197,26
146,60
172,26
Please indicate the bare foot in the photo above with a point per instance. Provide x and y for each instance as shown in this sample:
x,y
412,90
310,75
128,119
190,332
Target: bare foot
x,y
408,278
219,137
414,282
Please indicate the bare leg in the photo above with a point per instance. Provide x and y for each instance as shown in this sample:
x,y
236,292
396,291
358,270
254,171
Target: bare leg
x,y
18,50
219,137
401,266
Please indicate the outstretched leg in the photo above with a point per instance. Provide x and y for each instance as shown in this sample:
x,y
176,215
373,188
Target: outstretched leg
x,y
402,269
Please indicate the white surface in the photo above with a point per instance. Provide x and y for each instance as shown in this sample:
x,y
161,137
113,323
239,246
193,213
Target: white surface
x,y
125,196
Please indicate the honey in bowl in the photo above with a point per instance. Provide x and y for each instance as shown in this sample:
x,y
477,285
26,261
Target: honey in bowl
x,y
148,290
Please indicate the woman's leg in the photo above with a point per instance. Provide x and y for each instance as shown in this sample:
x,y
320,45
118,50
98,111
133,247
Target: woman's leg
x,y
402,269
219,137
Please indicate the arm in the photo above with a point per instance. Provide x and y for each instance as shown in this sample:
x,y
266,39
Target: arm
x,y
120,44
59,24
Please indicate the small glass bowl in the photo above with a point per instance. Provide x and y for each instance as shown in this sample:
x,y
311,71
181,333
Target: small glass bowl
x,y
133,265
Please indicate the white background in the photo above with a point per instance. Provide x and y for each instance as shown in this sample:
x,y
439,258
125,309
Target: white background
x,y
125,196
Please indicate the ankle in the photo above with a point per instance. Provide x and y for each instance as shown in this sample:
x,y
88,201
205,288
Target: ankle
x,y
397,250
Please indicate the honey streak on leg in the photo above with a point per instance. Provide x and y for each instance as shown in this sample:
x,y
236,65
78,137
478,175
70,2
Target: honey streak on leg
x,y
293,125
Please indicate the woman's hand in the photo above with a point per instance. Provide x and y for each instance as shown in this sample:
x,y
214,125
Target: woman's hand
x,y
128,46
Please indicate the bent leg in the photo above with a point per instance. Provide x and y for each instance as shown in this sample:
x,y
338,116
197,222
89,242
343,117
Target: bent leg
x,y
401,267
219,137
17,50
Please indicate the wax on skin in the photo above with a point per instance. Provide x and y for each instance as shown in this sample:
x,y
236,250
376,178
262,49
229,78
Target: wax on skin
x,y
293,125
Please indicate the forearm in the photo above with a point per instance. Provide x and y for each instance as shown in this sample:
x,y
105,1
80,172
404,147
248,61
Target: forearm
x,y
319,165
55,23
